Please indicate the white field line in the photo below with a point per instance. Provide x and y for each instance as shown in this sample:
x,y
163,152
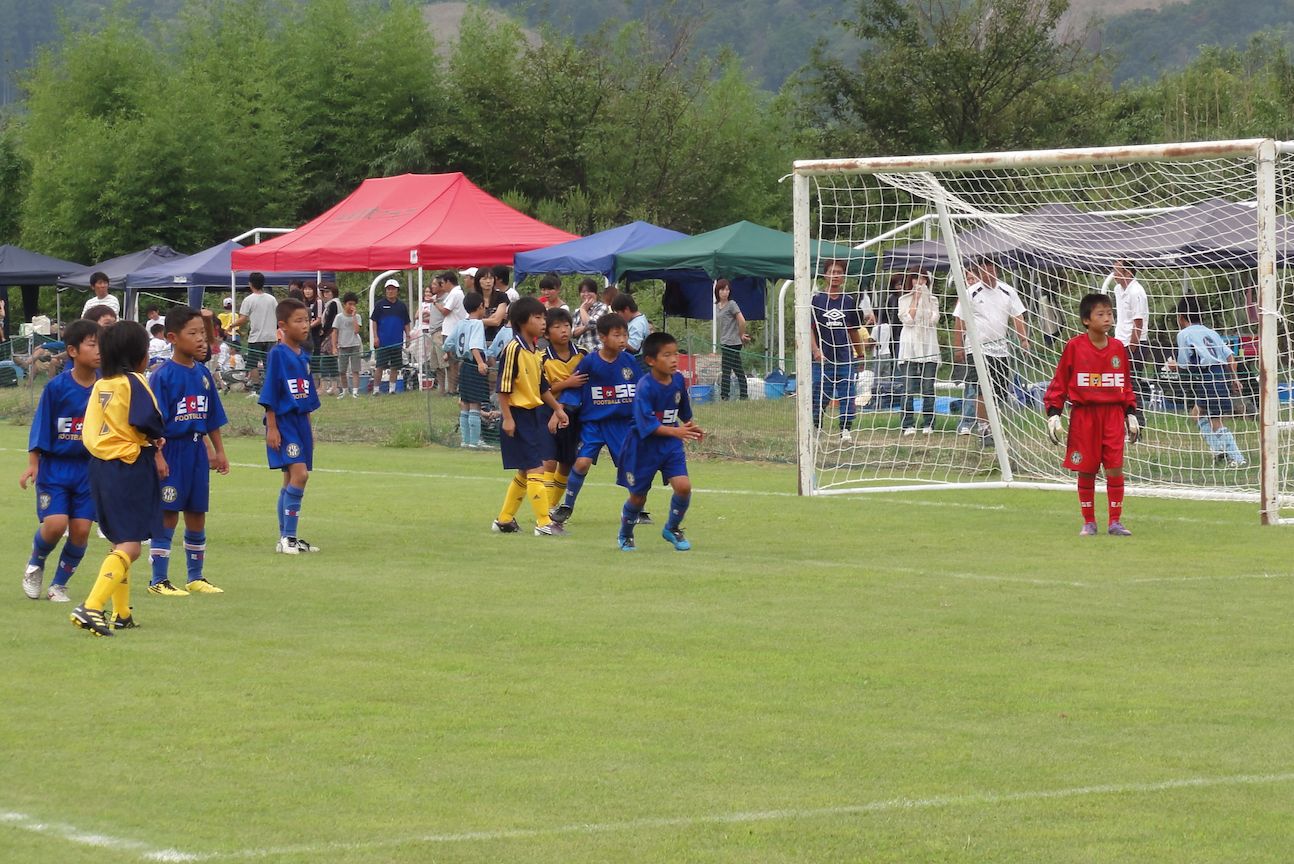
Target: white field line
x,y
1025,580
883,806
72,834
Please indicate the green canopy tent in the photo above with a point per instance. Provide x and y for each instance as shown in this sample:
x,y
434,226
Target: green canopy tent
x,y
740,249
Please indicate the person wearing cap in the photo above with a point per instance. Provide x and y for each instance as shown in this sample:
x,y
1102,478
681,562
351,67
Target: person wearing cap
x,y
227,317
389,328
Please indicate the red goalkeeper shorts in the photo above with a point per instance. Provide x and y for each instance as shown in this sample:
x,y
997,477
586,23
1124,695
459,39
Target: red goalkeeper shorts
x,y
1095,438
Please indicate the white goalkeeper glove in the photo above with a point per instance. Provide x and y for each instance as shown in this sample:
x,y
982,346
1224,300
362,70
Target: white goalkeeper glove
x,y
1055,430
1134,428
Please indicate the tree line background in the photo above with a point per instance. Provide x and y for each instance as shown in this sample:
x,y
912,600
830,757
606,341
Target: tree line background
x,y
228,114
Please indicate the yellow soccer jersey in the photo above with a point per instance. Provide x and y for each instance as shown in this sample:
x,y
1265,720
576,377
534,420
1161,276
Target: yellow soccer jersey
x,y
556,369
521,375
121,419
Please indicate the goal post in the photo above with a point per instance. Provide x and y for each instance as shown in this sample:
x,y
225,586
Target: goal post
x,y
1202,228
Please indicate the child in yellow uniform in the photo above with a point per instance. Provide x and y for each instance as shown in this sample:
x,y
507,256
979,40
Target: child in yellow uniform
x,y
122,431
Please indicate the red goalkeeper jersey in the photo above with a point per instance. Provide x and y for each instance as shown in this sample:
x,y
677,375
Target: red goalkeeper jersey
x,y
1087,375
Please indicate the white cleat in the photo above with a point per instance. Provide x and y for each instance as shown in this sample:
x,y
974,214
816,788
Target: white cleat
x,y
58,594
304,545
286,546
32,578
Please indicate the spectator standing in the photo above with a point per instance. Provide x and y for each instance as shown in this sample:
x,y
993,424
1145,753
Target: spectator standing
x,y
836,341
997,309
732,336
389,329
1131,318
450,304
228,319
348,344
918,312
585,332
431,337
329,307
259,313
495,298
99,285
550,292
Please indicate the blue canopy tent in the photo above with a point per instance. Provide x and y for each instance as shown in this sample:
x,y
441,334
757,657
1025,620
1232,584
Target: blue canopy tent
x,y
29,270
210,268
117,269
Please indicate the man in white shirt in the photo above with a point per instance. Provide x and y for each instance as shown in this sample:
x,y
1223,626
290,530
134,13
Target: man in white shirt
x,y
997,310
259,312
1131,317
101,297
431,337
449,303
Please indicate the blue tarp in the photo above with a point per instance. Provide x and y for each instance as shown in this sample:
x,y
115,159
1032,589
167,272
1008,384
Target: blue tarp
x,y
209,268
595,253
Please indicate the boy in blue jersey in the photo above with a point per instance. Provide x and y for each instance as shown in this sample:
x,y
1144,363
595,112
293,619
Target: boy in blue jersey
x,y
59,465
606,406
288,397
662,422
192,415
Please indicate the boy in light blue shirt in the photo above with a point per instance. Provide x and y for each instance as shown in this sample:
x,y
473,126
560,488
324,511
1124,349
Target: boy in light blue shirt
x,y
1212,376
467,345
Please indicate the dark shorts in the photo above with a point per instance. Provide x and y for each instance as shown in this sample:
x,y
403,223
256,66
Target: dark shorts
x,y
389,357
257,352
531,445
127,499
473,387
999,372
637,478
566,443
63,489
297,444
187,488
1209,390
1095,438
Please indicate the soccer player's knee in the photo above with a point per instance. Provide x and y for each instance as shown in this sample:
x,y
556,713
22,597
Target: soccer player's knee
x,y
53,526
682,486
583,464
79,531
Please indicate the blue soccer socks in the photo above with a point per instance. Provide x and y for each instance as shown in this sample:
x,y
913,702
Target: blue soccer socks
x,y
628,519
67,563
292,496
282,508
677,510
160,556
195,553
573,485
40,550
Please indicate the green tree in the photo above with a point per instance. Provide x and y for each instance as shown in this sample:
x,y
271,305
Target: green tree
x,y
13,180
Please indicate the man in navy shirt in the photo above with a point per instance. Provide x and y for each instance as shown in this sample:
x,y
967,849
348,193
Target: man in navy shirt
x,y
836,342
389,321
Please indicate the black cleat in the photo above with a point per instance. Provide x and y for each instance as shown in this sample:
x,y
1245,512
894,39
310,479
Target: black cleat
x,y
510,527
127,623
91,620
560,513
644,518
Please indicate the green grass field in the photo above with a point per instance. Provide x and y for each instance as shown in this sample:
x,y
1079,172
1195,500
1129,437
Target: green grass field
x,y
950,677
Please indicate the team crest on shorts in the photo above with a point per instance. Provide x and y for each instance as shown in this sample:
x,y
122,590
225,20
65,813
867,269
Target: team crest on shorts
x,y
294,450
627,374
1076,457
169,494
43,500
1116,362
630,477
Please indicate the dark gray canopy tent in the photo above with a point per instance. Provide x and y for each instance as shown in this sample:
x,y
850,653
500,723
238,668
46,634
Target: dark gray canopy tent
x,y
29,270
117,269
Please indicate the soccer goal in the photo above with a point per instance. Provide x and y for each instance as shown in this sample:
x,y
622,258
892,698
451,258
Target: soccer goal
x,y
1210,222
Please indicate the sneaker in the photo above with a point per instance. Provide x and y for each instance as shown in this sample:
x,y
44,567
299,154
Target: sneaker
x,y
1089,530
91,620
1235,462
644,518
58,594
287,546
1116,529
964,430
845,436
202,586
560,513
626,543
341,395
127,623
253,394
32,579
927,430
909,430
510,527
304,545
552,529
675,538
166,589
354,394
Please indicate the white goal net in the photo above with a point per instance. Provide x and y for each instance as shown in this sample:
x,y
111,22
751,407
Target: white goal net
x,y
1178,236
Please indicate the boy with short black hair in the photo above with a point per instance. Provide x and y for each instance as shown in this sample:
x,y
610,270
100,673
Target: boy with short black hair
x,y
467,344
123,434
637,326
288,397
527,441
662,422
58,465
1212,373
606,407
348,343
1093,375
560,359
192,415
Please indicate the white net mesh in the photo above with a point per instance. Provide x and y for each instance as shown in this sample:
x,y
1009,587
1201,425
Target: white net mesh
x,y
1051,235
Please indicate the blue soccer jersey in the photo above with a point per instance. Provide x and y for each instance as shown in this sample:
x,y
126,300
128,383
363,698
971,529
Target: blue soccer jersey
x,y
63,480
645,453
289,387
609,392
188,399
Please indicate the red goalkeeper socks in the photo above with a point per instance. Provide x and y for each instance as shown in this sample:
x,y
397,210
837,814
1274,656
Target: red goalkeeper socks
x,y
1087,496
1114,491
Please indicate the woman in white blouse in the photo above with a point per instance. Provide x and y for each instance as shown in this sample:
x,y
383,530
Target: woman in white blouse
x,y
919,351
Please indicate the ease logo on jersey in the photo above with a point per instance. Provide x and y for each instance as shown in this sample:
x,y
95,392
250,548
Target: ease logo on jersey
x,y
1100,379
299,388
668,417
618,393
191,407
69,428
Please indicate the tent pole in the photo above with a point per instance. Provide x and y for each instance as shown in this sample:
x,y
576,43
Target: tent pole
x,y
714,322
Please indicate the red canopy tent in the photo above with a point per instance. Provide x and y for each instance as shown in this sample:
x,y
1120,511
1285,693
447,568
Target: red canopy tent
x,y
408,222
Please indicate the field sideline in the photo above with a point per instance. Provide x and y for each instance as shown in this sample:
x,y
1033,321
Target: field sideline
x,y
950,677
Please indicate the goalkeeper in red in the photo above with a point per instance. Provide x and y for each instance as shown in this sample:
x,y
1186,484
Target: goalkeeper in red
x,y
1094,376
